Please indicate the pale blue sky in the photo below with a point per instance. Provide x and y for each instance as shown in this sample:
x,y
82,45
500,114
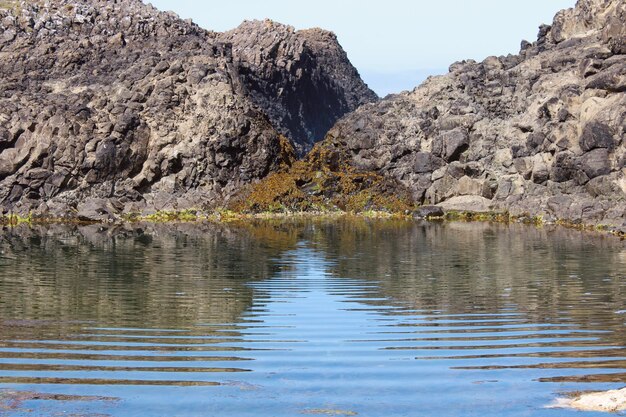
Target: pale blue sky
x,y
393,43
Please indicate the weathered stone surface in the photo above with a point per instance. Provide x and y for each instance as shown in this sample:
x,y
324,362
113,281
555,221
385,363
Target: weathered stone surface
x,y
96,209
597,135
467,203
284,69
539,133
450,145
596,163
424,212
118,102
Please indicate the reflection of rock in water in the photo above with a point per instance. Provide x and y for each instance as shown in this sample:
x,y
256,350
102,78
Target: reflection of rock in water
x,y
13,401
480,267
147,276
179,274
272,309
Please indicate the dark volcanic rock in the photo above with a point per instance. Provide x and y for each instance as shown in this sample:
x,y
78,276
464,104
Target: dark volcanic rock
x,y
595,163
597,135
424,212
301,79
539,133
109,107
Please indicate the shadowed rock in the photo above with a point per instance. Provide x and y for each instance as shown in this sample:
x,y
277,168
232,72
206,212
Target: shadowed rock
x,y
302,80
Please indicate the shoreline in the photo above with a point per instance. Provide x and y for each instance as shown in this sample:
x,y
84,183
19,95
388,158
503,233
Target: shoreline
x,y
223,216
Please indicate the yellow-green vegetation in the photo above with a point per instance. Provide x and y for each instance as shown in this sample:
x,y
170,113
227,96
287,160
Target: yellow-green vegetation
x,y
597,228
471,216
224,215
330,412
14,219
30,219
10,5
506,217
287,152
323,182
164,216
220,215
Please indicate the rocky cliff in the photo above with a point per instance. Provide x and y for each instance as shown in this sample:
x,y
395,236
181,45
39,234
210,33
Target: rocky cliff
x,y
302,80
109,107
541,133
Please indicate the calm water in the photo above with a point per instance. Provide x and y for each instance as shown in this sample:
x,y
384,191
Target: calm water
x,y
367,318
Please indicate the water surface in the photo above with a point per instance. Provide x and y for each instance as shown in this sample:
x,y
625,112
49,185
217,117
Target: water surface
x,y
368,318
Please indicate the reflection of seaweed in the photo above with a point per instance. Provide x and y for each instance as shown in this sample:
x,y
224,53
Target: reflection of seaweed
x,y
276,234
244,386
329,412
613,377
13,400
107,382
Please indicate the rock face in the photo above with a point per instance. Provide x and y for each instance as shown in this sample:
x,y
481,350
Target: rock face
x,y
292,75
112,106
539,133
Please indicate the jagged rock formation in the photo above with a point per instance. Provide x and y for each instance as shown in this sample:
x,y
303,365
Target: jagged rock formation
x,y
540,133
292,75
112,106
